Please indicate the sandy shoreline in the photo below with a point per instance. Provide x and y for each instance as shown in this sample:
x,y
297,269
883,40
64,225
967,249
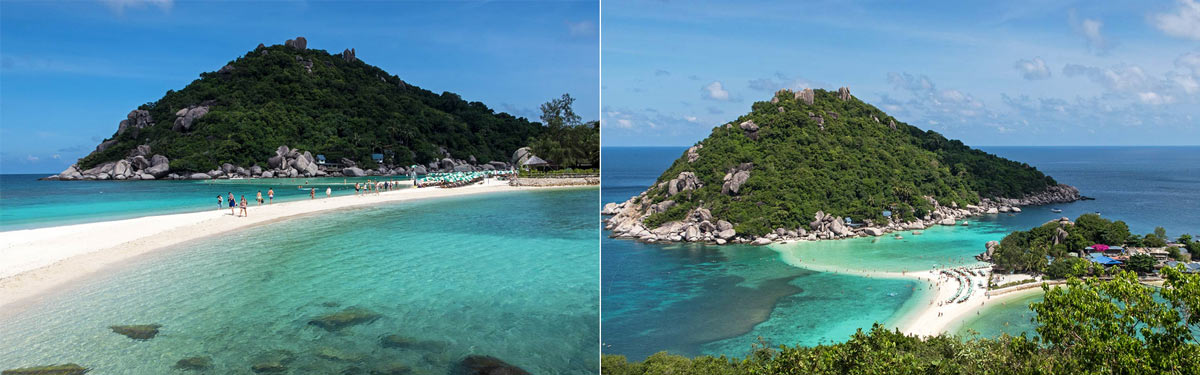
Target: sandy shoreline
x,y
929,318
35,261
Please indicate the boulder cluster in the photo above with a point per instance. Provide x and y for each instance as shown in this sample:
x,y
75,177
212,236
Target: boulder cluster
x,y
137,119
184,117
299,43
348,55
628,218
140,164
286,163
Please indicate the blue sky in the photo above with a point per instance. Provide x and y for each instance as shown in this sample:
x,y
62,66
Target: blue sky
x,y
1004,73
71,70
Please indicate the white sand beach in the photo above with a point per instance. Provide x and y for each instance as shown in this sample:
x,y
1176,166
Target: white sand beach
x,y
35,261
931,318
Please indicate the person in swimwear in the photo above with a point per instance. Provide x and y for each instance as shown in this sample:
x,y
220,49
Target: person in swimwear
x,y
259,198
232,204
244,213
220,201
270,195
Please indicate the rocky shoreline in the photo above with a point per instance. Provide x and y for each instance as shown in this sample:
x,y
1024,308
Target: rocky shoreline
x,y
550,181
141,164
628,220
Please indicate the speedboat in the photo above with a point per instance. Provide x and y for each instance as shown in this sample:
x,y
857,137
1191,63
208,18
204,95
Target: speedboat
x,y
1055,210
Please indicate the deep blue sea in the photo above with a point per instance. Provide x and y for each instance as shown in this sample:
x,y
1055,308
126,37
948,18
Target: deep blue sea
x,y
697,299
511,275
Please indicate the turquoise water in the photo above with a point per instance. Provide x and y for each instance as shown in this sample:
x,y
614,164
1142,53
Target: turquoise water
x,y
27,203
511,275
1012,317
1144,186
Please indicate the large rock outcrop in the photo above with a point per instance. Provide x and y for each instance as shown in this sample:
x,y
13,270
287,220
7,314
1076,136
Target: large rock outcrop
x,y
136,119
299,43
186,116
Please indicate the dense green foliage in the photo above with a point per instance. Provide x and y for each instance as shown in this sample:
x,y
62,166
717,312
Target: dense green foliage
x,y
856,167
566,142
341,109
1089,327
1026,251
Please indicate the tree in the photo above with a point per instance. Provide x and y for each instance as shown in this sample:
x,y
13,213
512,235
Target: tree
x,y
566,142
1117,326
1141,263
1066,267
557,113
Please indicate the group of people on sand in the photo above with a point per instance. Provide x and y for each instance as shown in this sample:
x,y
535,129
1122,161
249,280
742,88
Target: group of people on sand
x,y
375,186
235,204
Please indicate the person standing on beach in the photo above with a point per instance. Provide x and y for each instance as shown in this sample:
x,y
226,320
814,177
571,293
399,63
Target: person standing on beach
x,y
220,201
259,198
244,213
312,193
232,204
328,191
270,195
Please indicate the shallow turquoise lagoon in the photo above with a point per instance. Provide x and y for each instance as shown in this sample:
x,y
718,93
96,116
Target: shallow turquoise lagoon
x,y
511,275
1012,317
27,203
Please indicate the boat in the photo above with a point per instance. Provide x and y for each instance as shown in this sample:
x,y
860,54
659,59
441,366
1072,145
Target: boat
x,y
1055,210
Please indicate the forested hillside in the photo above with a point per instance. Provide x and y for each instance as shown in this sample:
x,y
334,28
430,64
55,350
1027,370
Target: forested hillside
x,y
331,104
817,150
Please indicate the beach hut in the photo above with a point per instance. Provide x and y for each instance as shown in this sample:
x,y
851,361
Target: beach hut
x,y
378,158
536,162
321,159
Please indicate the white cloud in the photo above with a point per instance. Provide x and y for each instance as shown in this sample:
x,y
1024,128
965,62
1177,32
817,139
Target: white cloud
x,y
715,91
1092,31
1189,61
1121,78
1153,98
119,6
31,158
1033,69
1183,23
581,29
692,119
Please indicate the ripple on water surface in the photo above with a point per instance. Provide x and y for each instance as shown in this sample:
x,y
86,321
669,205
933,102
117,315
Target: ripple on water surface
x,y
510,275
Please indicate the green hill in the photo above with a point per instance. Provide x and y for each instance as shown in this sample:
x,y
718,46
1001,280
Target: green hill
x,y
308,99
821,151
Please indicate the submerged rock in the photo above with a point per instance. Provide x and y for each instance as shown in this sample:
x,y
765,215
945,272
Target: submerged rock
x,y
392,369
486,365
344,318
67,369
275,361
334,354
403,342
194,363
138,332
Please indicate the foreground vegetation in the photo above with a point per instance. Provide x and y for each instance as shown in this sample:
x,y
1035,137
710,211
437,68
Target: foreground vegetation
x,y
1088,327
1026,251
854,160
325,103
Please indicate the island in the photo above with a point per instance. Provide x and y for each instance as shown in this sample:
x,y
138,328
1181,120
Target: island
x,y
287,111
818,164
